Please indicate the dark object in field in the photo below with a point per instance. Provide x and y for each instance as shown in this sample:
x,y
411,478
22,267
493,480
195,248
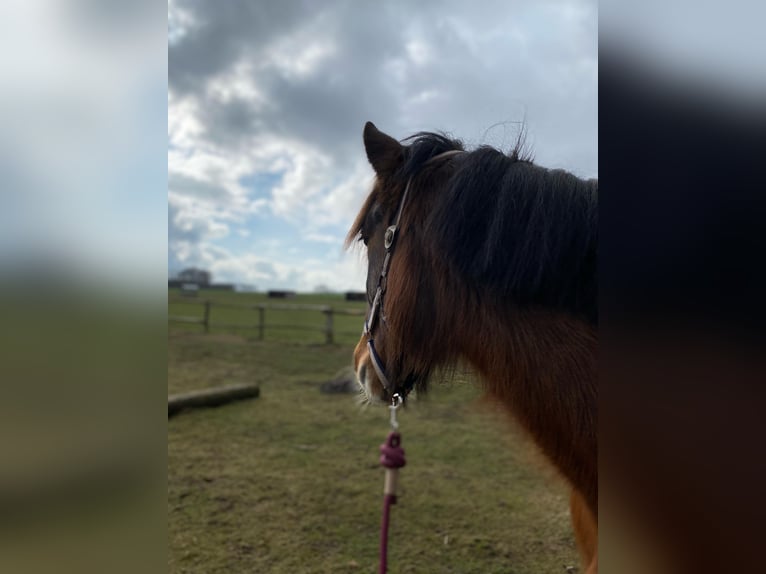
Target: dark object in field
x,y
281,294
211,397
356,296
344,382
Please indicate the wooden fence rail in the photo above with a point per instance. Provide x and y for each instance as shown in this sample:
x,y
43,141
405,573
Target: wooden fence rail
x,y
205,322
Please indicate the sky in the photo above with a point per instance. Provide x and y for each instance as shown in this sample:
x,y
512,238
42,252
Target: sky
x,y
136,139
267,101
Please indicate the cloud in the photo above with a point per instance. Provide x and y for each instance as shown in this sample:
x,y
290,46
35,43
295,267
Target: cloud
x,y
263,88
255,269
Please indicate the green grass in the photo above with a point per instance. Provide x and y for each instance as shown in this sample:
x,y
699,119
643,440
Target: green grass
x,y
290,482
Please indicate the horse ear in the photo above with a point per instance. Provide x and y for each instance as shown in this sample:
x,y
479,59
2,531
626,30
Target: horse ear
x,y
383,152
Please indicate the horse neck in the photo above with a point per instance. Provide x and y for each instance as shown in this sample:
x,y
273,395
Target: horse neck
x,y
542,367
519,230
540,362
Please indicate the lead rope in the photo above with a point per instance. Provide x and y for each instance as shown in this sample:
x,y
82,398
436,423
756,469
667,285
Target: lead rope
x,y
392,458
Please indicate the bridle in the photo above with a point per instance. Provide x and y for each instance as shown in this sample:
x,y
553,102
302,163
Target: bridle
x,y
389,242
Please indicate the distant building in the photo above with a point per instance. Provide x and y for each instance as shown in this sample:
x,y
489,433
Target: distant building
x,y
199,277
192,280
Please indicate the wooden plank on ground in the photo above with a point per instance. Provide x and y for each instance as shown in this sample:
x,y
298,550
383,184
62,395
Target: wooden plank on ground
x,y
211,397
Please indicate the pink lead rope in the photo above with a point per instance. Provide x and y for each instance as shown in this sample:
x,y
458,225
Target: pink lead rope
x,y
392,458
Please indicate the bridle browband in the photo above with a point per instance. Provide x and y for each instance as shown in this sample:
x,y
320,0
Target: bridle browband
x,y
377,301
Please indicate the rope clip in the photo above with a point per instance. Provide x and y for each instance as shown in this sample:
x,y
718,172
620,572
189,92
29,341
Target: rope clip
x,y
396,402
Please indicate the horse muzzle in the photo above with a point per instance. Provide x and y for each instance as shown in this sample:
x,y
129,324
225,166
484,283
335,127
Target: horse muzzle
x,y
367,378
375,380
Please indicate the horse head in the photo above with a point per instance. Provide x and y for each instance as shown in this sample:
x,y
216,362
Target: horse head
x,y
400,289
379,371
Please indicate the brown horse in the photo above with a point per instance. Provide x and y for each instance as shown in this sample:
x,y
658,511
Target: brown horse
x,y
485,257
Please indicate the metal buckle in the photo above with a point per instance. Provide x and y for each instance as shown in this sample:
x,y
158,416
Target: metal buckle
x,y
390,237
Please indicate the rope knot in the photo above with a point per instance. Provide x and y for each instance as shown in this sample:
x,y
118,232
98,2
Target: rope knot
x,y
391,452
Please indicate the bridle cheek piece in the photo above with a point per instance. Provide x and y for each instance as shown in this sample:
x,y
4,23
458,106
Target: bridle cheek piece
x,y
389,241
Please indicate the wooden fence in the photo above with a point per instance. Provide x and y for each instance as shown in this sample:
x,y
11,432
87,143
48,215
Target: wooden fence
x,y
328,327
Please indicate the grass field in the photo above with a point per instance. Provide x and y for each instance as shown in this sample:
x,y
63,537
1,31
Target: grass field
x,y
290,482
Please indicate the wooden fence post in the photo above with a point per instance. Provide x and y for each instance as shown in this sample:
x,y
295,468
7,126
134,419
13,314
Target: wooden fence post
x,y
261,313
206,320
329,325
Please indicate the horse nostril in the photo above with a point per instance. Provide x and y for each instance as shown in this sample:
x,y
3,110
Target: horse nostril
x,y
362,373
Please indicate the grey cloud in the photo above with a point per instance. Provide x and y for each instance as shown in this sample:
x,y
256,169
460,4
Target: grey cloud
x,y
474,88
231,124
176,232
325,108
193,187
186,239
482,68
223,32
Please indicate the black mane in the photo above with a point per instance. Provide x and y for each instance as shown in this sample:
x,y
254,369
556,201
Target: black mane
x,y
423,146
522,231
